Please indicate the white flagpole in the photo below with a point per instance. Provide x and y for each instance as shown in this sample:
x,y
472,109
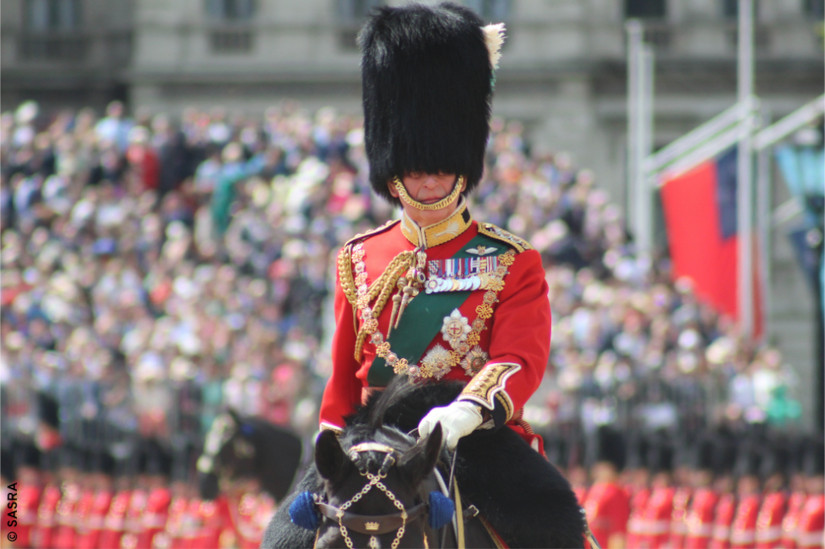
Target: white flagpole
x,y
634,48
745,66
640,136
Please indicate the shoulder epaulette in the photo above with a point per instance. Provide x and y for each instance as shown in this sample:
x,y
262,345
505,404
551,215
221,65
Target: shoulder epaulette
x,y
497,233
372,232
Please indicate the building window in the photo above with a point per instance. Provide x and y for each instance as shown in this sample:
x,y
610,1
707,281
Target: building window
x,y
645,9
230,10
231,31
52,15
493,11
52,30
815,9
351,15
761,33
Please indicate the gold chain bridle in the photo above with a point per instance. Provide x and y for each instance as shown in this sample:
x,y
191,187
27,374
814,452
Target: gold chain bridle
x,y
375,481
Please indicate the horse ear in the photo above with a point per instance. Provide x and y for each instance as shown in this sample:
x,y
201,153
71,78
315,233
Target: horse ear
x,y
330,458
421,458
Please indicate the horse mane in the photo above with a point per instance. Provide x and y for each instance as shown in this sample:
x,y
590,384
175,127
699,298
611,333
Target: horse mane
x,y
403,403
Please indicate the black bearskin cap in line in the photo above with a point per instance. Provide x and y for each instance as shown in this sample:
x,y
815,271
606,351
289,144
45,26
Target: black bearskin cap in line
x,y
608,445
427,89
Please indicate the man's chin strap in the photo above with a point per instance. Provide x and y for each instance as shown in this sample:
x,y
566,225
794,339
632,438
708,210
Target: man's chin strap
x,y
443,203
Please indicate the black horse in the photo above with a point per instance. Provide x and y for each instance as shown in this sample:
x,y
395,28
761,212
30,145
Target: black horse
x,y
248,447
502,482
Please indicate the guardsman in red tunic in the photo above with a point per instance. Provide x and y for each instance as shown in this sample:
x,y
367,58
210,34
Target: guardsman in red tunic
x,y
88,485
749,496
114,523
48,442
72,477
682,496
775,464
725,488
575,466
702,506
637,483
607,505
157,478
811,525
798,491
657,515
23,460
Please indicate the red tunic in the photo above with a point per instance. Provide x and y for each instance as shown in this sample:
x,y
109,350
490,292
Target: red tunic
x,y
769,520
607,508
514,342
114,525
795,503
214,523
153,519
44,532
743,530
725,509
657,517
82,517
700,517
811,523
678,522
28,499
68,517
246,523
635,523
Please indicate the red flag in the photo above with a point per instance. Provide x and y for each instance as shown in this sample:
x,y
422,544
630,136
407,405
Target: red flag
x,y
700,219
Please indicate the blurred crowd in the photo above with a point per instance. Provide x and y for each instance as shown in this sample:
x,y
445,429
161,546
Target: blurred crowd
x,y
158,268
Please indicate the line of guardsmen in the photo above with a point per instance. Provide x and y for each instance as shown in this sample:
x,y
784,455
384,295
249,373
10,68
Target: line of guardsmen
x,y
720,489
69,498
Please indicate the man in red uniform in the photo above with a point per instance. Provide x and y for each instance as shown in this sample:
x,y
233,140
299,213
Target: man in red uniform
x,y
22,463
700,514
774,469
724,486
683,494
47,445
637,482
437,295
749,495
798,491
607,505
657,515
114,523
72,477
156,512
811,525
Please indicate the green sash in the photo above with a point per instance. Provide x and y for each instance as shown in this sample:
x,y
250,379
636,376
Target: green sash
x,y
422,321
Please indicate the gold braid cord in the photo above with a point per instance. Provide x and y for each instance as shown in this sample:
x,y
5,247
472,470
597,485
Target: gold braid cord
x,y
380,291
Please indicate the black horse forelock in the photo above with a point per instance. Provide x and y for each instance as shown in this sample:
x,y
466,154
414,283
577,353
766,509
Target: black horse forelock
x,y
403,403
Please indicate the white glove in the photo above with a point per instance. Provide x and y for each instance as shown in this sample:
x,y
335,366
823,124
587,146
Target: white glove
x,y
458,419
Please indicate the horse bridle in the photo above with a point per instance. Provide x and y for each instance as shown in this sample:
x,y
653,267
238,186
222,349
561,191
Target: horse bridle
x,y
372,525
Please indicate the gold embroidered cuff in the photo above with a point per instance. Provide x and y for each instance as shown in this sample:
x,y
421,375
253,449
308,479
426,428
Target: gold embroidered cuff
x,y
487,386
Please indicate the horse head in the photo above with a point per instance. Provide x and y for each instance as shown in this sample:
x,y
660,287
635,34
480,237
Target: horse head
x,y
239,447
378,492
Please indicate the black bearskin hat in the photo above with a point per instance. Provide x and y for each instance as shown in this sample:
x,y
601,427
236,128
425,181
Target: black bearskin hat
x,y
426,73
48,409
661,453
608,445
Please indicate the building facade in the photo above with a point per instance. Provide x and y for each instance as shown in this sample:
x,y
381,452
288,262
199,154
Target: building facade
x,y
563,74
